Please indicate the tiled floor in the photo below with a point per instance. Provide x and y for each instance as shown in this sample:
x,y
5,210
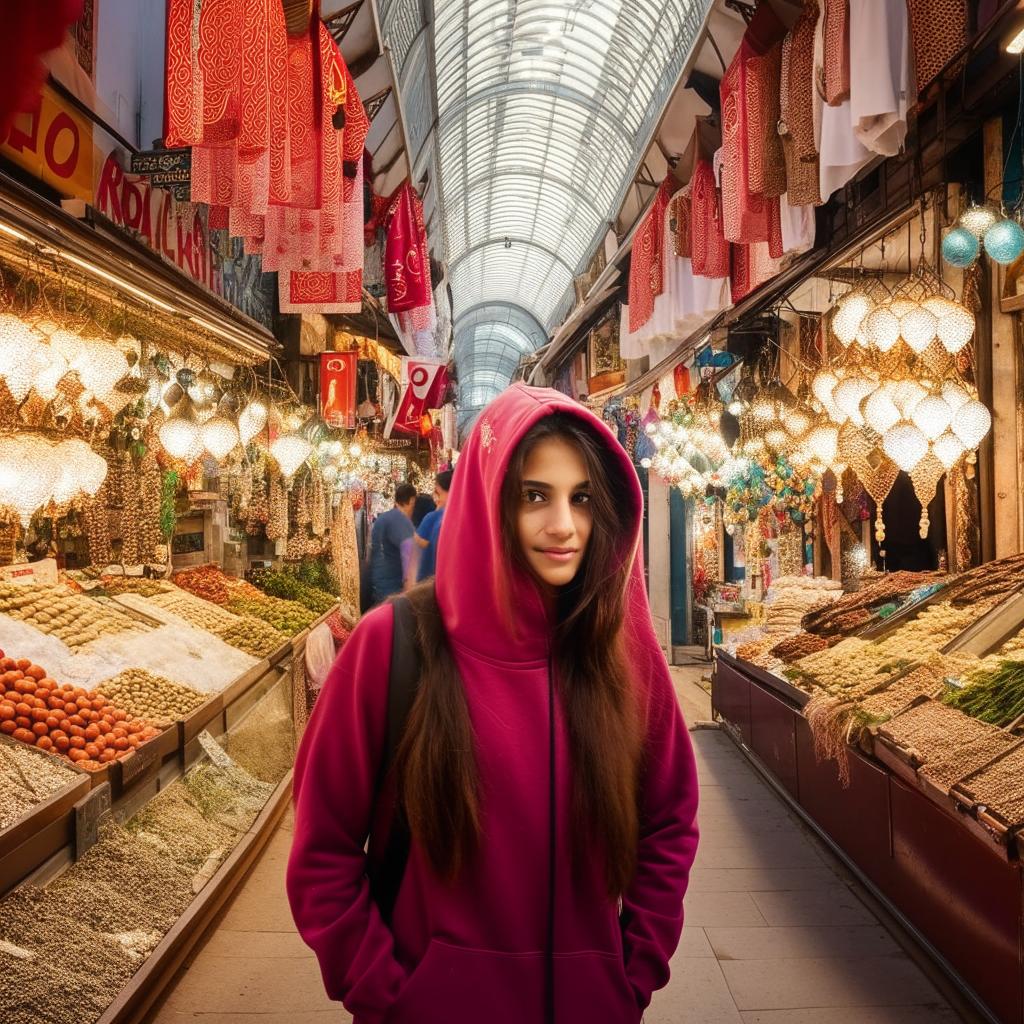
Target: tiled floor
x,y
775,932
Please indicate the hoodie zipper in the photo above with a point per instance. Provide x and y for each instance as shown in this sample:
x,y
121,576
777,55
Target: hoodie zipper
x,y
549,961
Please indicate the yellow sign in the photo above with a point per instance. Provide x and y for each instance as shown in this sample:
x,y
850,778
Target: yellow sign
x,y
54,143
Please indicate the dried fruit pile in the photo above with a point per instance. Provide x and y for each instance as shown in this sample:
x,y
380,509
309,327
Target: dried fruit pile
x,y
289,617
135,585
857,609
68,720
252,635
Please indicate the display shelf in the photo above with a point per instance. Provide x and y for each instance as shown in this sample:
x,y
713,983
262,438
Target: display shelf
x,y
992,823
44,830
792,693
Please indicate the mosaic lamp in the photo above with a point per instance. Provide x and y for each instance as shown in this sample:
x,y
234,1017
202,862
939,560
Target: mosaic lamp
x,y
960,247
1004,241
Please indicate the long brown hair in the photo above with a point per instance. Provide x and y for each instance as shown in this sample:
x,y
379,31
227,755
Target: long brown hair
x,y
435,762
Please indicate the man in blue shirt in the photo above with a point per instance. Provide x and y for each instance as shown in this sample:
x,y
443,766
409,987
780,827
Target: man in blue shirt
x,y
389,532
430,528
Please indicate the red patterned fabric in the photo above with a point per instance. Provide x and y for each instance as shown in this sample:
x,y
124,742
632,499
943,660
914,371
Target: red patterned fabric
x,y
748,216
406,257
710,250
646,268
183,99
321,292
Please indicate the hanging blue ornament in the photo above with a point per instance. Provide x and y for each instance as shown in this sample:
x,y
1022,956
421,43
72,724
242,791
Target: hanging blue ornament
x,y
960,248
1004,241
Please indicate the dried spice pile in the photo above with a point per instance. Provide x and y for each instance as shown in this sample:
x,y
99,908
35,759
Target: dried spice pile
x,y
195,610
859,608
264,741
289,617
995,696
929,729
135,585
1000,787
27,778
153,698
172,824
85,935
226,793
285,585
756,651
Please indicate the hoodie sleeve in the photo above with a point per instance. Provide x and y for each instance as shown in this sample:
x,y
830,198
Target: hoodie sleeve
x,y
334,788
652,908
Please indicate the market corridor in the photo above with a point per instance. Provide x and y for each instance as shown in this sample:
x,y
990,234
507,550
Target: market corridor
x,y
775,931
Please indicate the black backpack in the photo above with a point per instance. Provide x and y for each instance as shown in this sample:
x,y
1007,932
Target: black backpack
x,y
385,871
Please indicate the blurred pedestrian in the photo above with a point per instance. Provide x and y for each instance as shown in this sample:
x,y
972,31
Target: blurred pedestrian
x,y
389,531
429,530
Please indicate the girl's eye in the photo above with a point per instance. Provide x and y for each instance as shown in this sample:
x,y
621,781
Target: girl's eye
x,y
532,497
582,498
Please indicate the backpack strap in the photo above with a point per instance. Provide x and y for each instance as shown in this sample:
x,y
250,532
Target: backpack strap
x,y
403,681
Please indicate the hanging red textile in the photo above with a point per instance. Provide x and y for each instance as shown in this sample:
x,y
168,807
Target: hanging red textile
x,y
406,258
646,267
749,216
183,85
710,250
837,51
320,292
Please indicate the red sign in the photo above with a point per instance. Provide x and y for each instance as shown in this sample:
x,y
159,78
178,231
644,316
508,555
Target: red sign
x,y
428,380
176,231
338,388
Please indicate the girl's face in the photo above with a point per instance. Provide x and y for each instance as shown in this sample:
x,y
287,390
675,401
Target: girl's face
x,y
554,521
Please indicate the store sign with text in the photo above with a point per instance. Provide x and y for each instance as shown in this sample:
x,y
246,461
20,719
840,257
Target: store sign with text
x,y
338,388
178,231
54,143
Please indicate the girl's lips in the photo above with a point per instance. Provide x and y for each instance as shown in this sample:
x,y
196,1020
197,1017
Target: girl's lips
x,y
559,554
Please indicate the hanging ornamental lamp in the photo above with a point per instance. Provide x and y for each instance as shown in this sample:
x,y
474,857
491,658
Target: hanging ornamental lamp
x,y
972,422
290,451
251,420
955,322
880,412
960,247
905,444
932,415
978,218
850,313
180,434
918,328
1004,241
219,436
948,448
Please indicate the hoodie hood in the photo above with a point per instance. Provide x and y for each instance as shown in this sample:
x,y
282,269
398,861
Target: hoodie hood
x,y
476,584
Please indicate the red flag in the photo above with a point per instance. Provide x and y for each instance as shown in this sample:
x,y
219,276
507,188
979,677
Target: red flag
x,y
427,383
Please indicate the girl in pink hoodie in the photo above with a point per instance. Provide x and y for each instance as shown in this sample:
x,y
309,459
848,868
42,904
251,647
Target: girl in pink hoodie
x,y
546,772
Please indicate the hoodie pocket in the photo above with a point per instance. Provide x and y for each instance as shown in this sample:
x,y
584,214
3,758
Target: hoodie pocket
x,y
459,985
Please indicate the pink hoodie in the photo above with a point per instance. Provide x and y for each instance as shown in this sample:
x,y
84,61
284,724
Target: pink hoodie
x,y
474,952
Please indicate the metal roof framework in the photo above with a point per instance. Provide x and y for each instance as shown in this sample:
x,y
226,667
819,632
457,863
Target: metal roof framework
x,y
544,111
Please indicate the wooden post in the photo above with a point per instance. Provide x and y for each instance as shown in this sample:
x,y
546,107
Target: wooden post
x,y
1005,456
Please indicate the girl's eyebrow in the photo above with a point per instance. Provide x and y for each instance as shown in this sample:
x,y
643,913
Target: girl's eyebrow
x,y
538,484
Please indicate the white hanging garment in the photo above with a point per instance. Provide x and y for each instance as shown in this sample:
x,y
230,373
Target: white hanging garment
x,y
842,154
797,227
879,74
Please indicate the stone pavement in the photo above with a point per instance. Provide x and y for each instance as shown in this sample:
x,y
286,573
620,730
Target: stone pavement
x,y
775,930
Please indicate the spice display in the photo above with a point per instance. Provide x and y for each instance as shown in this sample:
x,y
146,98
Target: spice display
x,y
995,697
289,617
930,725
263,743
172,824
226,793
74,618
991,581
285,585
67,720
200,613
27,777
252,635
207,582
151,697
757,651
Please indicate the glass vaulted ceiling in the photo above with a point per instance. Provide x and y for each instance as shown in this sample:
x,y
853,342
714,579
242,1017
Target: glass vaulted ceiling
x,y
543,110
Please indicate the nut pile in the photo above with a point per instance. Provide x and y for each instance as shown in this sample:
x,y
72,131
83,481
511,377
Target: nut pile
x,y
993,581
74,618
135,585
967,756
1000,787
930,727
798,646
67,720
252,635
153,698
26,779
195,610
289,617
